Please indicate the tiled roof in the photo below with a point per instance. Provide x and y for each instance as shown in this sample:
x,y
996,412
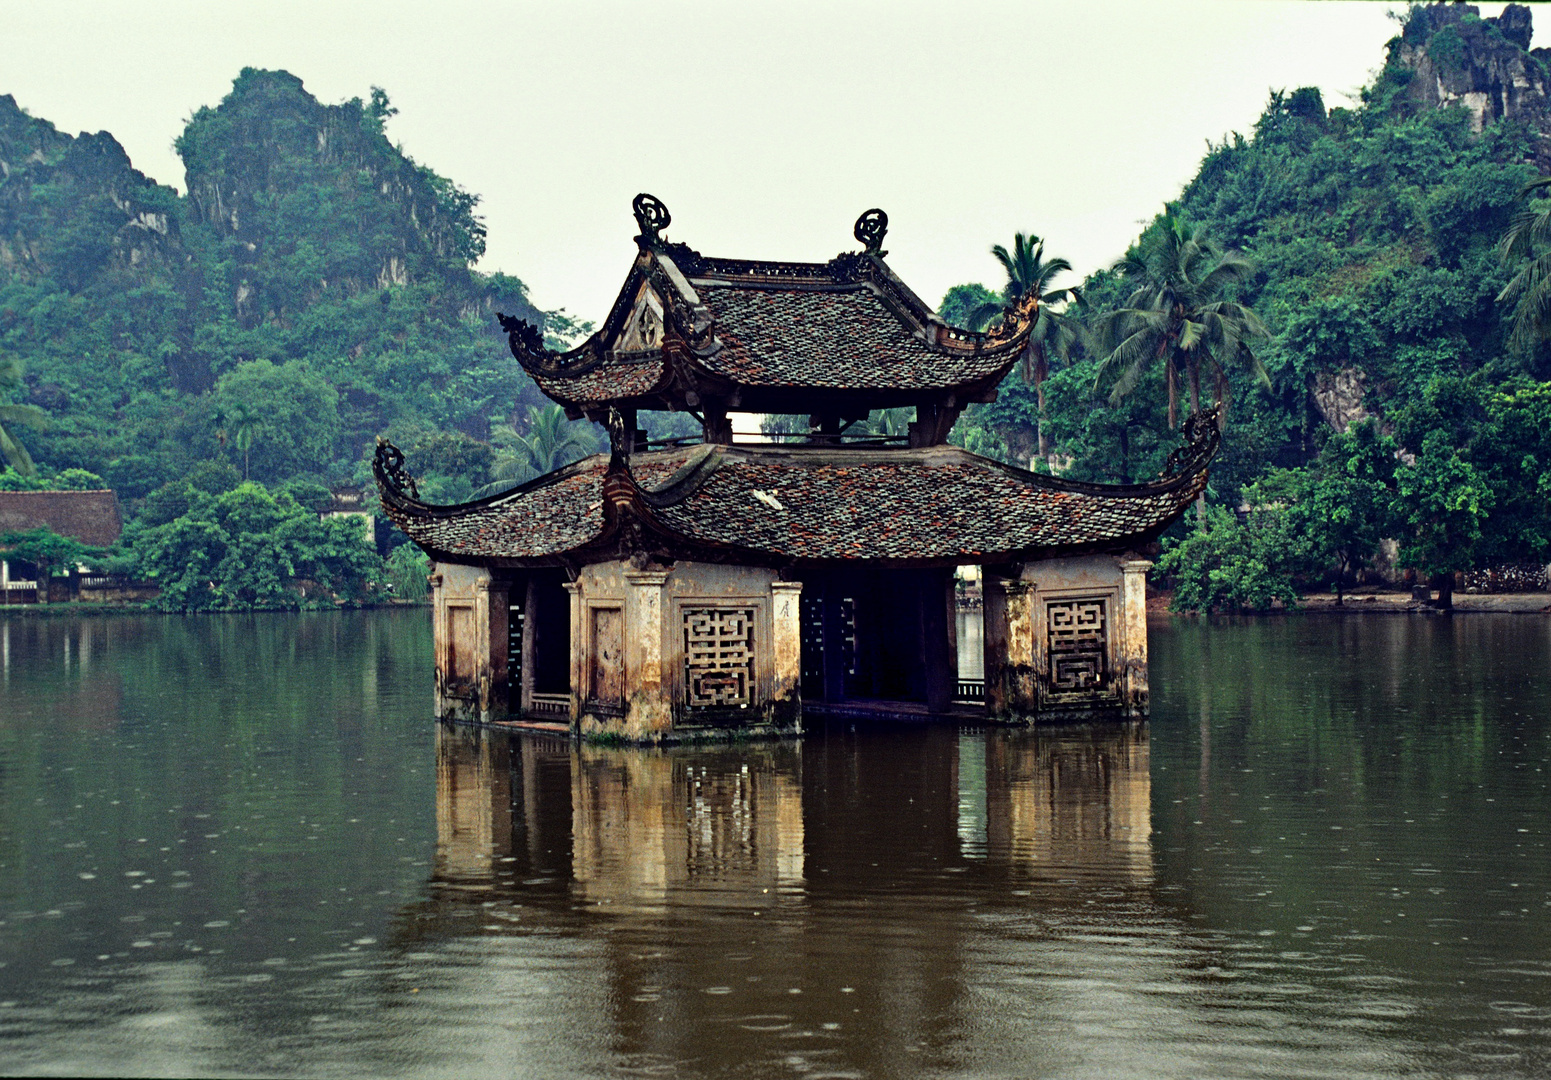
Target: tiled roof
x,y
941,504
848,326
549,516
833,339
614,379
92,517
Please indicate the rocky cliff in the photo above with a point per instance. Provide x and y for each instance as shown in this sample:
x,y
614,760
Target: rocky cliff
x,y
1456,57
306,240
74,210
271,172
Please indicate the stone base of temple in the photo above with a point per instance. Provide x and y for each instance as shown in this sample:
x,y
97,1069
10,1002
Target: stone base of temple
x,y
621,653
627,652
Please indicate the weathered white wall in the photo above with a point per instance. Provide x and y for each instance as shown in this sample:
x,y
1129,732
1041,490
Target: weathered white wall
x,y
653,605
1019,683
469,611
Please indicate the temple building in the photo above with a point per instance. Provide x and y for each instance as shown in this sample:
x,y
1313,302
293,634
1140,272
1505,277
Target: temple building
x,y
707,587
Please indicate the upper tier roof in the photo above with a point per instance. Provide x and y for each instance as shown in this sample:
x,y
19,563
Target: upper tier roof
x,y
845,336
766,504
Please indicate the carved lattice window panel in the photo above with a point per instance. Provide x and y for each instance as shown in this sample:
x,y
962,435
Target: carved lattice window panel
x,y
718,657
1078,643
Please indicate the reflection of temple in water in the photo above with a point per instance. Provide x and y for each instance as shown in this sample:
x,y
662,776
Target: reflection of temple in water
x,y
1072,800
750,826
784,876
642,827
703,827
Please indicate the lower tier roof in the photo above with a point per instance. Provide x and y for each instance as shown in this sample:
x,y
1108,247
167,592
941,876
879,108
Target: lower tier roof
x,y
788,505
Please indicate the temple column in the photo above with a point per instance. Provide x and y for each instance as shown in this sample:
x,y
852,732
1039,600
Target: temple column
x,y
440,647
937,633
1011,693
529,643
492,618
647,708
786,651
1133,636
578,650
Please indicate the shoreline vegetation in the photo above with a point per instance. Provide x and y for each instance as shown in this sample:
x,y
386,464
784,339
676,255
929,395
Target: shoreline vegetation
x,y
63,609
1366,290
1359,602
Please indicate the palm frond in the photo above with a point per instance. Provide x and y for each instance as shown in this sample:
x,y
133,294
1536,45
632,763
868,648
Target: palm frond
x,y
26,415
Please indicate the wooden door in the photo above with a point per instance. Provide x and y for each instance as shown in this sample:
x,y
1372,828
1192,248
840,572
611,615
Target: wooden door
x,y
607,660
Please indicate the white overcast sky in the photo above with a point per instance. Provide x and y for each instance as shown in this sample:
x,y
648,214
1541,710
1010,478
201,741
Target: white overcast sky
x,y
766,128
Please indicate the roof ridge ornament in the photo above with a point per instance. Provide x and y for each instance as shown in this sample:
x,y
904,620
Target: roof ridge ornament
x,y
651,216
388,466
870,229
522,334
1015,320
1202,431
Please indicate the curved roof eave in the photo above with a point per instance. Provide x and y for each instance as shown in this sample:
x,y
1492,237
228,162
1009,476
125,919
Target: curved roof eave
x,y
796,506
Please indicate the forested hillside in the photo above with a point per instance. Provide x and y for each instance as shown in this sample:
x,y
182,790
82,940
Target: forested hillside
x,y
1371,236
315,287
312,290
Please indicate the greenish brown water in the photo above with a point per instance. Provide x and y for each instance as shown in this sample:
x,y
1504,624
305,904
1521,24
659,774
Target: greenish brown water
x,y
235,845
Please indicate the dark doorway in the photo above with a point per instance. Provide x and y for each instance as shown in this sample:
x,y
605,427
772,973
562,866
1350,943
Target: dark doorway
x,y
878,635
541,640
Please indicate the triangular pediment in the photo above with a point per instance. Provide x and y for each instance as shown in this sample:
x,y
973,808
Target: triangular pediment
x,y
643,327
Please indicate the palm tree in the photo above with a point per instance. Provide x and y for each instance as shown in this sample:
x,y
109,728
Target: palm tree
x,y
1177,314
11,449
1530,289
1029,274
245,422
551,442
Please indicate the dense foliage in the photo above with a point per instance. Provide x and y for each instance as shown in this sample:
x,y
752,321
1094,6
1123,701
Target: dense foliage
x,y
1371,243
312,290
1349,279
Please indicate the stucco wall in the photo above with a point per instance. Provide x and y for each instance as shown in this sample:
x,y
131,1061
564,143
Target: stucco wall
x,y
1067,639
665,693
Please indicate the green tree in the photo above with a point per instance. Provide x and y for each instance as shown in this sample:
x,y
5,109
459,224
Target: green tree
x,y
47,550
1054,333
408,572
284,416
1180,314
1442,502
13,416
1225,565
961,301
1342,506
1528,239
247,549
550,442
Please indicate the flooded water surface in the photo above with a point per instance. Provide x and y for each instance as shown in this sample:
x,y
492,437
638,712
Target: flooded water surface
x,y
238,846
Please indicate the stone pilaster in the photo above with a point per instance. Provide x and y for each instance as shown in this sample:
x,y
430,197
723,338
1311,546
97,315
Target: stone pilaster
x,y
1010,688
647,708
530,654
491,619
1132,648
785,678
578,649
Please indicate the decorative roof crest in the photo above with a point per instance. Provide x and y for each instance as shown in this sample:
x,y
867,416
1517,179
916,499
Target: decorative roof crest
x,y
1015,320
651,216
1203,432
870,229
